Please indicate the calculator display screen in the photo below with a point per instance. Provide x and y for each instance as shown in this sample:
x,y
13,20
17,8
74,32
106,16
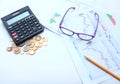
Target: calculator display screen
x,y
17,18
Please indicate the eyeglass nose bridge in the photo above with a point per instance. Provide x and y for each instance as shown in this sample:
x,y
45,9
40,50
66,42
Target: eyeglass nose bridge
x,y
84,36
77,34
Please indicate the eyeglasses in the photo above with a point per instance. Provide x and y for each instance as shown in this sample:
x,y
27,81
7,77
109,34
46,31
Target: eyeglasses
x,y
82,36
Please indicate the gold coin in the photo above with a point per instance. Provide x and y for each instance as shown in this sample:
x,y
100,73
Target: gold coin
x,y
9,49
38,38
28,42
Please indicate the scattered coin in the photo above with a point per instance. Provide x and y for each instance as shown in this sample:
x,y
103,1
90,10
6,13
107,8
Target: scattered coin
x,y
28,42
31,52
22,52
40,45
13,45
26,48
45,39
16,50
9,49
30,46
37,44
34,48
38,38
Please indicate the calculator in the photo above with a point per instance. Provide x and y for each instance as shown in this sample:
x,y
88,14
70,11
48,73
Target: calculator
x,y
22,25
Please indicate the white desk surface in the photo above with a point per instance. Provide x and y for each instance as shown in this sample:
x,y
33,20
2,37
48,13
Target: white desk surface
x,y
51,64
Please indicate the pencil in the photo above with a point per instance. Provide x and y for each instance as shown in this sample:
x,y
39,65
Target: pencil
x,y
103,68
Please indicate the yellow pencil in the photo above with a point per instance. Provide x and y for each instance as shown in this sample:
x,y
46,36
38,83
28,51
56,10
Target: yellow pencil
x,y
103,68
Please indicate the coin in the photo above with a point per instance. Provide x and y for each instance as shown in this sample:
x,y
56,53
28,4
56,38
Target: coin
x,y
26,48
16,50
31,52
9,49
34,48
38,38
30,46
40,45
37,44
21,52
13,45
28,42
45,39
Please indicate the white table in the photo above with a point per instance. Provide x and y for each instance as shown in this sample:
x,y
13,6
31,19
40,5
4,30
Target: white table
x,y
51,64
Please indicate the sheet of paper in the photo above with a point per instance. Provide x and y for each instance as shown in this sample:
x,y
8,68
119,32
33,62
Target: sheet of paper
x,y
104,48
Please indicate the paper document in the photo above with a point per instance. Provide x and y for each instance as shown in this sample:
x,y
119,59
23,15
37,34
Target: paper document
x,y
104,49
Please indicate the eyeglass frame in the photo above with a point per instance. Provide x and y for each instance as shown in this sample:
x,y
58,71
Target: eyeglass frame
x,y
96,15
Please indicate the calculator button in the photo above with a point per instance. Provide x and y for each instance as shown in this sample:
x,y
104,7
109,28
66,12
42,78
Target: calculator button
x,y
16,36
37,25
10,27
23,29
13,34
18,31
21,26
12,31
31,32
17,39
24,32
22,36
34,28
25,24
40,27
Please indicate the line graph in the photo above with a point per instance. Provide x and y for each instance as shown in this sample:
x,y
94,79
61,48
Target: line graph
x,y
103,49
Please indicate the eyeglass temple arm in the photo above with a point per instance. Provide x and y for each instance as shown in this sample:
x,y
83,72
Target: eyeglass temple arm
x,y
65,15
96,15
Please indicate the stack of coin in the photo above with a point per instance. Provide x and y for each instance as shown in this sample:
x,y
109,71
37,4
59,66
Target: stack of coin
x,y
30,46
